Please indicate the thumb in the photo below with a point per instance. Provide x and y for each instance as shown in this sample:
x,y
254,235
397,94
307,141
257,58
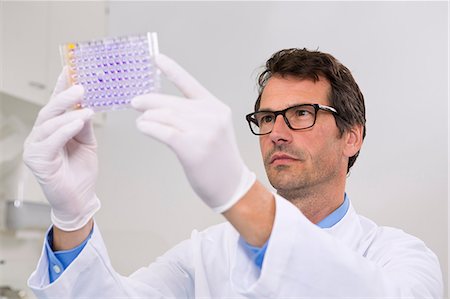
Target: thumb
x,y
62,83
86,135
184,81
54,143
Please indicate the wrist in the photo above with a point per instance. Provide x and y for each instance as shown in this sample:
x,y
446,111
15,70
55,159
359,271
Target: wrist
x,y
246,181
66,240
253,215
76,218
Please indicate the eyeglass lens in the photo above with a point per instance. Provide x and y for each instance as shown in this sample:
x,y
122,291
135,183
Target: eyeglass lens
x,y
298,117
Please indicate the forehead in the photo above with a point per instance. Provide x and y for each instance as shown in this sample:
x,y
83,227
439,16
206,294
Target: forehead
x,y
282,92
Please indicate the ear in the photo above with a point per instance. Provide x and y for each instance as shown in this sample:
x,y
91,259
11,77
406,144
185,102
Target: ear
x,y
353,140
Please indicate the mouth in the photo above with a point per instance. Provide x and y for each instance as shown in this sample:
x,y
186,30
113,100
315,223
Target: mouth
x,y
277,159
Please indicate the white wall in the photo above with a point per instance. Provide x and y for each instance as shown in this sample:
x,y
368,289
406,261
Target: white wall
x,y
397,52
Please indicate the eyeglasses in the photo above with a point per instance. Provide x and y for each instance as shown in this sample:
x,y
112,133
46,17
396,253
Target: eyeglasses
x,y
297,117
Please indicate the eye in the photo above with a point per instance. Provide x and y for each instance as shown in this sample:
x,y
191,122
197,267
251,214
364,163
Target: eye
x,y
302,112
264,118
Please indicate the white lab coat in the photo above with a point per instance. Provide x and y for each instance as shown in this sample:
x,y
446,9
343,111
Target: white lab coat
x,y
353,259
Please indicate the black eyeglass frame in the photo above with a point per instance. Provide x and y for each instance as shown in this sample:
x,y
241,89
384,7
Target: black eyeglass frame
x,y
251,119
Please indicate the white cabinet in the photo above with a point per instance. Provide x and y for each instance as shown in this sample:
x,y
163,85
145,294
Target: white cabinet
x,y
30,39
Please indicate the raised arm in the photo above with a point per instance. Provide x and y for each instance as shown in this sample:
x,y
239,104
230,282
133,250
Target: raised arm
x,y
198,128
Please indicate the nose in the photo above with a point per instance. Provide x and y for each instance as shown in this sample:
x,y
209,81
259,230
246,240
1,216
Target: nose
x,y
281,133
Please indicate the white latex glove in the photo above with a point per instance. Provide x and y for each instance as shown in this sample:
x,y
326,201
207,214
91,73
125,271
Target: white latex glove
x,y
61,153
198,128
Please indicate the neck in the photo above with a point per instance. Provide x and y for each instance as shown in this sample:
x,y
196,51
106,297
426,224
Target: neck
x,y
315,205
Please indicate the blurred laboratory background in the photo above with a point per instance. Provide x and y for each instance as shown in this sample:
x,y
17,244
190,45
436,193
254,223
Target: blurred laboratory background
x,y
397,51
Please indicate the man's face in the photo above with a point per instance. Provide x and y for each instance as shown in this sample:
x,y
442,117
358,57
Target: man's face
x,y
299,161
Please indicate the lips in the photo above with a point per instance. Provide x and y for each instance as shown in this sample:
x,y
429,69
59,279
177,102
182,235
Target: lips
x,y
279,158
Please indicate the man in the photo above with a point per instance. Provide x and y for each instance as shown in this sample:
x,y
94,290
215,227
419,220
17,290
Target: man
x,y
305,241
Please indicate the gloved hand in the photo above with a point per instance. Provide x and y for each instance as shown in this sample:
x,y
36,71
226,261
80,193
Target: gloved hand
x,y
199,130
61,153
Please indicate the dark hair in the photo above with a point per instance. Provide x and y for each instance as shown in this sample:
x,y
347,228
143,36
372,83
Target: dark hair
x,y
345,95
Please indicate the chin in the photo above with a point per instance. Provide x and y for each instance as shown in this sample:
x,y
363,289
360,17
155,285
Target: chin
x,y
281,173
288,182
280,184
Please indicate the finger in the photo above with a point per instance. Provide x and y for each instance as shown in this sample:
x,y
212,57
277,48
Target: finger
x,y
158,131
46,129
61,103
187,84
157,100
62,83
164,117
55,142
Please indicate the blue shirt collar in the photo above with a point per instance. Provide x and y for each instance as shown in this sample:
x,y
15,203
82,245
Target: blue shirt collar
x,y
336,215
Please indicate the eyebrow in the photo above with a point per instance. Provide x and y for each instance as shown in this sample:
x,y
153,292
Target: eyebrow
x,y
272,110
